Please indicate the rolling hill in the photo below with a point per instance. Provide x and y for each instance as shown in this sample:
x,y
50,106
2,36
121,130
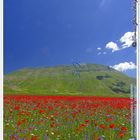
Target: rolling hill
x,y
77,79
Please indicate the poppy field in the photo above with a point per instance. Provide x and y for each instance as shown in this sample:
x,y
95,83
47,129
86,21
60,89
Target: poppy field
x,y
66,118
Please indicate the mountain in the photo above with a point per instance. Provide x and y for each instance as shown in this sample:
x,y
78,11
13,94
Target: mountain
x,y
76,79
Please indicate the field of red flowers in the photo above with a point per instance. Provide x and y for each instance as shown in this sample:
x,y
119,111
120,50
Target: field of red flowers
x,y
66,118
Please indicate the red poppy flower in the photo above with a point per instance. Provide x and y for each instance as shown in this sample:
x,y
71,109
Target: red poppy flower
x,y
108,119
19,123
41,111
87,121
121,134
53,124
50,108
112,125
81,126
33,138
16,108
123,128
102,126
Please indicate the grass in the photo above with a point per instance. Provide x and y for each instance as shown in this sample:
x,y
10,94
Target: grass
x,y
61,80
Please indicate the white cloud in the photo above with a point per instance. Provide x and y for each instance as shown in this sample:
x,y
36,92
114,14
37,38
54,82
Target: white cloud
x,y
127,39
104,52
124,66
113,46
98,48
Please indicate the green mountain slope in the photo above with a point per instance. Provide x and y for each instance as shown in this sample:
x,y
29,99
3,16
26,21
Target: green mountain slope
x,y
84,79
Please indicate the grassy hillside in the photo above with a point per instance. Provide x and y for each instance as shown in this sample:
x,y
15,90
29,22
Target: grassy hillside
x,y
86,79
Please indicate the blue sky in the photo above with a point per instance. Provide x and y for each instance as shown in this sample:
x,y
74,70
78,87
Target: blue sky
x,y
53,32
